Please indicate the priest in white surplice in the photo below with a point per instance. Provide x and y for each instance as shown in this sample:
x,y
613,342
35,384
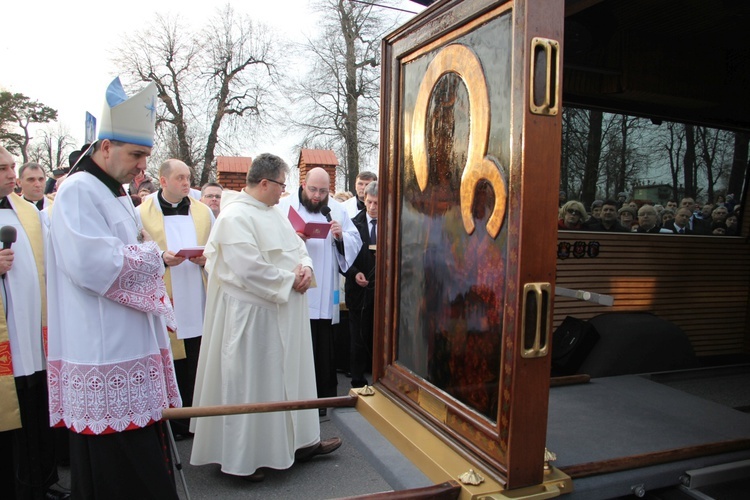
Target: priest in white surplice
x,y
335,252
256,337
176,221
110,370
27,451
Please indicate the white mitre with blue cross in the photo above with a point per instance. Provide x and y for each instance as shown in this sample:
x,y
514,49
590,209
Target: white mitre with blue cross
x,y
131,119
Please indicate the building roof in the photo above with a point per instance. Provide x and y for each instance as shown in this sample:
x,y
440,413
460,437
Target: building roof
x,y
318,157
233,164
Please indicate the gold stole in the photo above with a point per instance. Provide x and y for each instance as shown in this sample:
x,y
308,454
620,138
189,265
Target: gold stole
x,y
28,215
153,222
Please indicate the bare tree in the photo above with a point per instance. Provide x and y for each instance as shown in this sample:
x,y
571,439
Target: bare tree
x,y
206,79
689,163
52,147
575,124
716,149
239,65
339,95
593,155
674,142
165,54
739,162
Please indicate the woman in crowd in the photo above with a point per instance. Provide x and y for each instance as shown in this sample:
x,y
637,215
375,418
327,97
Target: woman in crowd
x,y
732,222
571,216
667,215
627,217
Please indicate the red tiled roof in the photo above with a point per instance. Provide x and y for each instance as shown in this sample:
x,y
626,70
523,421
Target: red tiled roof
x,y
318,157
233,163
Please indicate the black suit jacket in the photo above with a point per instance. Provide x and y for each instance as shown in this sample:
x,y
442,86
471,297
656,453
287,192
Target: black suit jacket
x,y
670,225
701,226
364,263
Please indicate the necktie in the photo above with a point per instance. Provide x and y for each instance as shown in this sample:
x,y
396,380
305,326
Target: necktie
x,y
374,231
682,230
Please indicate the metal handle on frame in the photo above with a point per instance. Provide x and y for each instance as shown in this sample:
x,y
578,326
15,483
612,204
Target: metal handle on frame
x,y
545,76
535,319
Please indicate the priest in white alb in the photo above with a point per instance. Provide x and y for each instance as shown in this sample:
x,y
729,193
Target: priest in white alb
x,y
178,222
336,252
256,337
27,449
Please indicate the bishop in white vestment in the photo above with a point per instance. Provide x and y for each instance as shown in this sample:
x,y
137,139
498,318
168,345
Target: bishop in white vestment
x,y
110,369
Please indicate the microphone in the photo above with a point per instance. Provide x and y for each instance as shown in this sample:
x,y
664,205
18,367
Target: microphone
x,y
326,211
8,237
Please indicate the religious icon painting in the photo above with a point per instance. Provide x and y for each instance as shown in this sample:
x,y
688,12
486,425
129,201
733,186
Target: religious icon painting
x,y
462,304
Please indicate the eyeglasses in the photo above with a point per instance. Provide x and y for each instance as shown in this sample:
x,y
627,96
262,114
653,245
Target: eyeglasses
x,y
314,190
213,196
573,212
283,186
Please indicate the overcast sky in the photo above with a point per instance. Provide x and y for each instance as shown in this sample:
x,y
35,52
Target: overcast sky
x,y
59,52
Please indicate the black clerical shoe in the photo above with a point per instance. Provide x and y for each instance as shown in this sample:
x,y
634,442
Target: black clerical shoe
x,y
256,477
356,384
56,495
180,436
322,448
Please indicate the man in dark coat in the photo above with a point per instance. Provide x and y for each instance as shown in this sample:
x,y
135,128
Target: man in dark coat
x,y
360,288
681,222
608,219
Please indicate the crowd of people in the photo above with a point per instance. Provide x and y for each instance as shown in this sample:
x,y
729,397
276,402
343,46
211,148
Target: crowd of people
x,y
119,305
686,217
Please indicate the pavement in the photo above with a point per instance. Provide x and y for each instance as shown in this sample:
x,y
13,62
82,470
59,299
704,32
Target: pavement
x,y
345,472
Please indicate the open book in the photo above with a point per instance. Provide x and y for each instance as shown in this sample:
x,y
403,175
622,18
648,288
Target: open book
x,y
309,229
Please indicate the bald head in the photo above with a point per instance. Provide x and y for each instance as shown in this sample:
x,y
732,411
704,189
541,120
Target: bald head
x,y
647,218
166,168
174,179
318,175
7,173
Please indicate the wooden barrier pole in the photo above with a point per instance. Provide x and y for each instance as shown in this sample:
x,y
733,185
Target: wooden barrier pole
x,y
569,380
648,459
304,404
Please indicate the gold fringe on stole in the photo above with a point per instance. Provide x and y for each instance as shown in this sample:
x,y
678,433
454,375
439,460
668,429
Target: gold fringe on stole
x,y
153,222
10,414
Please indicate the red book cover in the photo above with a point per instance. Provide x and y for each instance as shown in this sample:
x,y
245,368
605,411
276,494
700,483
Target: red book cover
x,y
191,252
310,229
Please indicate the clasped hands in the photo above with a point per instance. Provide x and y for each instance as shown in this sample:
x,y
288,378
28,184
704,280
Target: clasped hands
x,y
302,278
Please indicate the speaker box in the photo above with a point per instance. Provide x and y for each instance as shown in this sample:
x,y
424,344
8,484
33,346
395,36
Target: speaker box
x,y
571,344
